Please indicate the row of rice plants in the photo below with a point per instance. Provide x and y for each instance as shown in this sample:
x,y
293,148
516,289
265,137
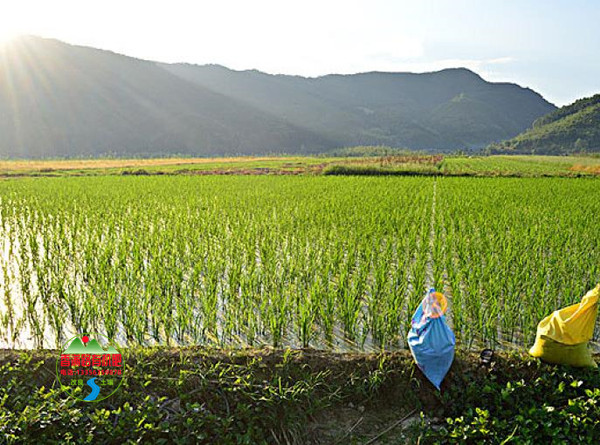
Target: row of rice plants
x,y
303,261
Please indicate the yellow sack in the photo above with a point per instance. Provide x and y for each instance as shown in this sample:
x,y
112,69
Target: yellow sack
x,y
562,337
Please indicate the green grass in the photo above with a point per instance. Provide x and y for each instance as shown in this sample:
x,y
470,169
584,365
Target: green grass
x,y
203,396
377,170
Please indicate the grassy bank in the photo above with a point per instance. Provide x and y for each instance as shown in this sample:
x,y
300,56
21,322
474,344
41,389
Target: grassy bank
x,y
301,396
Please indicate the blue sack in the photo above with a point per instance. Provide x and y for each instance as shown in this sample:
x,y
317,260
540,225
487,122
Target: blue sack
x,y
430,339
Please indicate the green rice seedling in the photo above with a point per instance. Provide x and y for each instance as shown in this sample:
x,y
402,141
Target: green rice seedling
x,y
304,261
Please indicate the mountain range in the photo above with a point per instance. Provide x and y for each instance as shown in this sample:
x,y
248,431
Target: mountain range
x,y
58,99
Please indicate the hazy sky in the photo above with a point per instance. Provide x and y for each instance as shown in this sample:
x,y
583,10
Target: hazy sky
x,y
552,46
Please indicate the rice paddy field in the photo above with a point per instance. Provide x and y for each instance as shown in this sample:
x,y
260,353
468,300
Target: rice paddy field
x,y
337,263
268,301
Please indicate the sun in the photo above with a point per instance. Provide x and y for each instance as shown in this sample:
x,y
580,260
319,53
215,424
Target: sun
x,y
7,36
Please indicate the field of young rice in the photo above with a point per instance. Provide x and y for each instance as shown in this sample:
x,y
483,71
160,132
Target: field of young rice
x,y
511,251
328,262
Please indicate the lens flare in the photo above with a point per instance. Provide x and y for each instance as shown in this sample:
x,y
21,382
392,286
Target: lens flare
x,y
7,36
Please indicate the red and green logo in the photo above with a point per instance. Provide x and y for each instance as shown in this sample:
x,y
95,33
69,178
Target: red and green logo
x,y
90,367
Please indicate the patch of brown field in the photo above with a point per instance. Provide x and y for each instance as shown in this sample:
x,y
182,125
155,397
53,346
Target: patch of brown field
x,y
593,169
389,161
243,171
257,171
316,168
76,164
